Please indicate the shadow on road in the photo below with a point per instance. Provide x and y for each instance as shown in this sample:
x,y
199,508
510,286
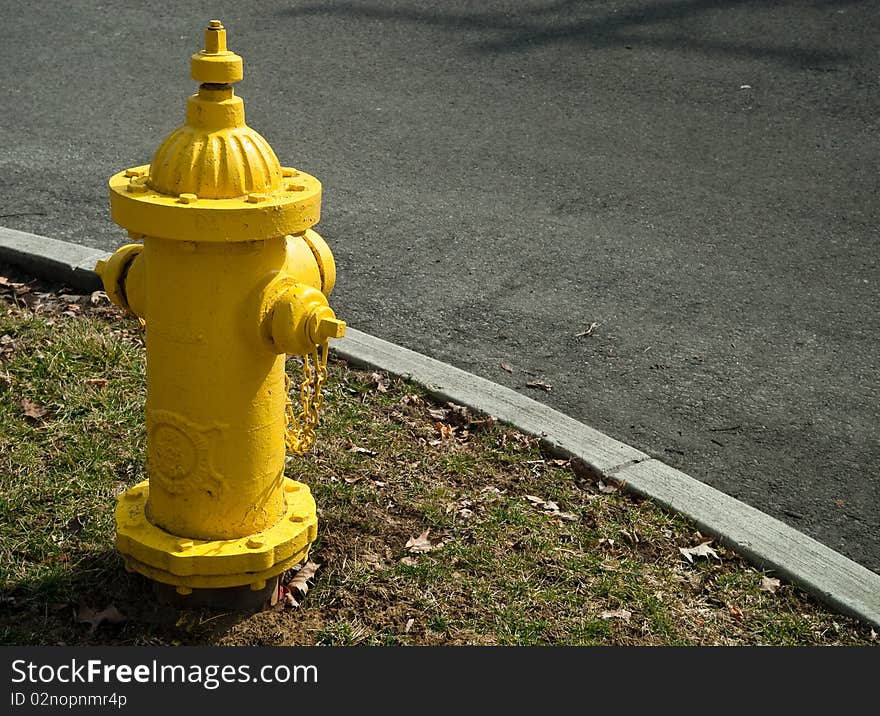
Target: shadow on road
x,y
598,25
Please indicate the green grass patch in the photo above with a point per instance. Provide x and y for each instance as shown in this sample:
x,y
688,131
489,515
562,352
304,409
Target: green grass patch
x,y
523,549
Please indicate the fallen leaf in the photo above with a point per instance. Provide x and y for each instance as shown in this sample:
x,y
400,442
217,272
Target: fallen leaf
x,y
96,382
446,431
372,559
412,399
735,611
769,584
624,614
361,450
506,367
539,384
589,332
419,544
570,516
437,413
607,489
701,550
32,410
299,581
98,297
873,635
409,561
111,615
550,506
537,501
409,624
381,381
352,480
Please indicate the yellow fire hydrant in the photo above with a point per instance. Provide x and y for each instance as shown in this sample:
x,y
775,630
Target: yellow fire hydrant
x,y
227,278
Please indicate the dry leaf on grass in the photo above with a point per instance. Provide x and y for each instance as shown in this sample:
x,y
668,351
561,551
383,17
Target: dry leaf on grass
x,y
409,624
551,508
382,382
111,615
607,489
769,584
97,382
419,544
300,579
623,614
409,561
701,550
361,450
445,431
32,410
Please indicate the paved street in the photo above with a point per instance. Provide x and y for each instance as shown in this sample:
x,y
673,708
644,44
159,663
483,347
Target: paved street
x,y
697,181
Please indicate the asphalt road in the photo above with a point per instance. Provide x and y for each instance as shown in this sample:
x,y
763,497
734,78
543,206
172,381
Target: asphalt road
x,y
697,178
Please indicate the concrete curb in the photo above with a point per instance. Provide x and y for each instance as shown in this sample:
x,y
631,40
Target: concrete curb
x,y
828,575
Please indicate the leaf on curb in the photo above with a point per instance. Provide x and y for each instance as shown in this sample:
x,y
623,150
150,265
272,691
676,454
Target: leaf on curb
x,y
769,584
111,615
299,581
419,544
506,367
32,410
701,550
623,614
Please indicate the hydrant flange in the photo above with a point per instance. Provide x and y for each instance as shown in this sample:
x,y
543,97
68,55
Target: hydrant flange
x,y
210,564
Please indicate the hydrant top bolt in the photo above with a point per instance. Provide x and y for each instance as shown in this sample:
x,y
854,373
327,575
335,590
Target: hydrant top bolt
x,y
187,198
215,64
289,172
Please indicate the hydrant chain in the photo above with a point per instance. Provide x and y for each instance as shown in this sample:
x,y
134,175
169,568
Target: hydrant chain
x,y
301,428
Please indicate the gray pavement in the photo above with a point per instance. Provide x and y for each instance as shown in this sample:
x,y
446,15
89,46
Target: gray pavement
x,y
698,178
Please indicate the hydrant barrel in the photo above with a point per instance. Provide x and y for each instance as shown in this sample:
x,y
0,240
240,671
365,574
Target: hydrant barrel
x,y
228,279
216,397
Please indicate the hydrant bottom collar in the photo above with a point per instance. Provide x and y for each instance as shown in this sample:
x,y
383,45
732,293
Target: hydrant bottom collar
x,y
210,564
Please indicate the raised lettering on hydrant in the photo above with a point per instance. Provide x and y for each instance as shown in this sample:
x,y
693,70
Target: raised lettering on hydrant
x,y
227,277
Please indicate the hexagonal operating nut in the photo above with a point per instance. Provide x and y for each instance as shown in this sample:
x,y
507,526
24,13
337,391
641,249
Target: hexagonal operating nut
x,y
323,325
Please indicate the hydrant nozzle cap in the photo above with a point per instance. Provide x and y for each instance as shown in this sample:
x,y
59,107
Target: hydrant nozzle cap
x,y
215,64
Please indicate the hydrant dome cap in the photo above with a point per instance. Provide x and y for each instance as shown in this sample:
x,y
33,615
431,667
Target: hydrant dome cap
x,y
215,155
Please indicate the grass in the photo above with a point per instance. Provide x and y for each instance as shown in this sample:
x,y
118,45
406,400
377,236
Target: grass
x,y
597,567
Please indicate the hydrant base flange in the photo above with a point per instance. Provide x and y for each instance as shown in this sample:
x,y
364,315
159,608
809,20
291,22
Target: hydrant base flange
x,y
211,564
